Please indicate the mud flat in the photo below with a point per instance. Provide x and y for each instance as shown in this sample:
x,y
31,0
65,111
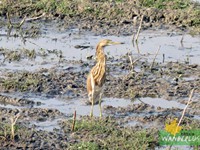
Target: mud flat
x,y
43,73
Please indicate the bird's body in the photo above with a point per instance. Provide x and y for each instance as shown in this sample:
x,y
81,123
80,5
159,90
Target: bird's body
x,y
97,75
96,79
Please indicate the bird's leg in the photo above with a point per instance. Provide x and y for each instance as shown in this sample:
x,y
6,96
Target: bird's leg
x,y
92,106
100,104
92,94
92,101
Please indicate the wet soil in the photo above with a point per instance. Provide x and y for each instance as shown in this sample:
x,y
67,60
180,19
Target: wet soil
x,y
43,76
164,82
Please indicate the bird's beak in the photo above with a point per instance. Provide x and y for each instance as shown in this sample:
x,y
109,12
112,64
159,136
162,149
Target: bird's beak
x,y
115,43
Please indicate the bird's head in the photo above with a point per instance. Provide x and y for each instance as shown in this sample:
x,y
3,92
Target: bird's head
x,y
107,42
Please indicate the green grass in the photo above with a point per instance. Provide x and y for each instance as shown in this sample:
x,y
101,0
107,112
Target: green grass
x,y
190,124
186,12
20,82
85,145
162,4
6,132
63,6
107,134
71,7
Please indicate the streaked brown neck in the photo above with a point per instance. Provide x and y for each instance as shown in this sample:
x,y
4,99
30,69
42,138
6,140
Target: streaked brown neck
x,y
99,50
101,58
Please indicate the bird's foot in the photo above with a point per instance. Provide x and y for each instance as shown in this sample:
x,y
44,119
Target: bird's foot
x,y
91,114
100,115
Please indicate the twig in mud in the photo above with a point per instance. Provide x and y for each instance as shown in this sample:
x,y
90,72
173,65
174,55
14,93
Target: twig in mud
x,y
154,58
15,25
13,122
135,37
131,61
137,60
74,121
182,39
19,25
139,28
35,44
25,19
10,26
137,47
21,34
163,58
183,113
189,101
36,18
22,22
142,101
9,21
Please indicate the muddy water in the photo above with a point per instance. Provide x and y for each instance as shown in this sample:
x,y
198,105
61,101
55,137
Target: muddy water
x,y
48,125
159,102
173,47
68,108
65,107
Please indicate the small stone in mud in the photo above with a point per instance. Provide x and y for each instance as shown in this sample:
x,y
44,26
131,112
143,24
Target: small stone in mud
x,y
42,119
81,47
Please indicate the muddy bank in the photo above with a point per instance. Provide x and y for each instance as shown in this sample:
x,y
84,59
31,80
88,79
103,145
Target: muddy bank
x,y
86,134
168,80
171,81
162,80
116,18
42,81
29,138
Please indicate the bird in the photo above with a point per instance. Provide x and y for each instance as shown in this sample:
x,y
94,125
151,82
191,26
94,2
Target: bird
x,y
97,75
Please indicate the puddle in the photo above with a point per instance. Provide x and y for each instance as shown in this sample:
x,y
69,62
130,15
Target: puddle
x,y
156,102
81,109
192,78
9,106
144,125
196,117
159,102
66,42
69,107
48,125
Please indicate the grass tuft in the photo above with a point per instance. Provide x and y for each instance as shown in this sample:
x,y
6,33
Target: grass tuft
x,y
107,134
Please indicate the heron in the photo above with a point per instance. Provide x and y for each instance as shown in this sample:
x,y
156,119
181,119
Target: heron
x,y
97,76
